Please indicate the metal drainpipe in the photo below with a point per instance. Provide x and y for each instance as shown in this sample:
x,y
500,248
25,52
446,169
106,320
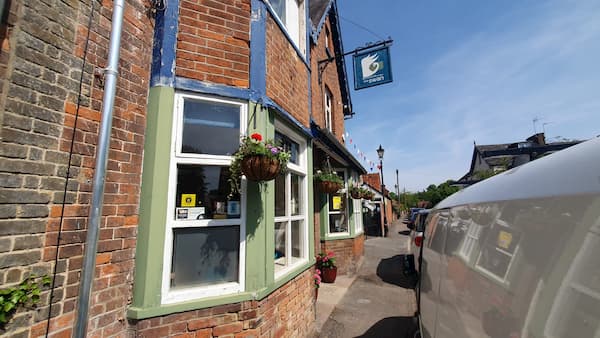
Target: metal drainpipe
x,y
110,88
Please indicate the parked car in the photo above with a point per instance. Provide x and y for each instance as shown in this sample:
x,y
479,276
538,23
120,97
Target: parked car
x,y
411,260
410,219
516,255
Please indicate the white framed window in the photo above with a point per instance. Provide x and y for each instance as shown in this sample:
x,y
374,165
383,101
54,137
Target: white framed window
x,y
291,15
498,251
357,209
470,242
575,309
291,205
205,235
328,110
338,210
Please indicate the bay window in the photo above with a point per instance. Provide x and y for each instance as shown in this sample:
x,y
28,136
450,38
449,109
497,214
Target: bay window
x,y
291,205
338,210
204,242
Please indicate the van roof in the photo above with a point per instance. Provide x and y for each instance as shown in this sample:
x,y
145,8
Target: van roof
x,y
572,171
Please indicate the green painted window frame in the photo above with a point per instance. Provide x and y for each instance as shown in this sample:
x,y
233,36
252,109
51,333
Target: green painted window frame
x,y
259,270
324,214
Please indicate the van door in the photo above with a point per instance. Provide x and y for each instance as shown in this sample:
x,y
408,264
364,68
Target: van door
x,y
429,281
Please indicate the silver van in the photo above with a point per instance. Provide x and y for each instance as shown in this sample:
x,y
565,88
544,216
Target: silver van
x,y
517,255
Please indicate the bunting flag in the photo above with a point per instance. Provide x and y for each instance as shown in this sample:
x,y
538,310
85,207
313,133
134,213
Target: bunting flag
x,y
361,156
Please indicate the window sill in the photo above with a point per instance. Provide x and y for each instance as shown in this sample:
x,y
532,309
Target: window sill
x,y
143,312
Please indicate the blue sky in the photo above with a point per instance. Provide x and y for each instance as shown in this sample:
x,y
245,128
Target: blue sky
x,y
469,71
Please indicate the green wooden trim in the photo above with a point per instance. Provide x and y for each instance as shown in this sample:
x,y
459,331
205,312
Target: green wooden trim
x,y
153,199
135,312
311,201
260,209
257,270
285,279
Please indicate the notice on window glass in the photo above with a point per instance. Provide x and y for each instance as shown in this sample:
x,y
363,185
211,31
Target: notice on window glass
x,y
504,240
188,200
337,202
190,213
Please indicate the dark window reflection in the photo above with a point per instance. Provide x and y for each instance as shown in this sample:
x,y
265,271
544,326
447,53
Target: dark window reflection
x,y
205,256
288,145
210,128
280,195
202,193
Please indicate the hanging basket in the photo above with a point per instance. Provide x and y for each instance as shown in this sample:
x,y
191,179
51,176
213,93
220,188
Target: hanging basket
x,y
329,187
260,168
368,196
355,194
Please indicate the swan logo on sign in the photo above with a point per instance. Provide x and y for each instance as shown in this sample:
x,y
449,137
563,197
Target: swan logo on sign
x,y
372,68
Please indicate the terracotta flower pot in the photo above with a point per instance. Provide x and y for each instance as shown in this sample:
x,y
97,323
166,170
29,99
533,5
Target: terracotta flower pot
x,y
260,168
329,274
329,187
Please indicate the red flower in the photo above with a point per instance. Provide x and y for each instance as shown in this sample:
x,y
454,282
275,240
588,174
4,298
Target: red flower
x,y
256,136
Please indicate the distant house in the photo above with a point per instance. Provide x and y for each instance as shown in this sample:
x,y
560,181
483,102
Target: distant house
x,y
373,215
491,159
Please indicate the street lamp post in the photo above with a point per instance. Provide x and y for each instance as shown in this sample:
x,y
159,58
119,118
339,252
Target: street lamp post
x,y
384,229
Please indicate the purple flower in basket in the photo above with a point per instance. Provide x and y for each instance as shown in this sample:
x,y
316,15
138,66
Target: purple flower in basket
x,y
274,150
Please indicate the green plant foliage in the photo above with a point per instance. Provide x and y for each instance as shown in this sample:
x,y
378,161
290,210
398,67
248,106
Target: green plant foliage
x,y
254,145
326,260
25,294
327,175
433,194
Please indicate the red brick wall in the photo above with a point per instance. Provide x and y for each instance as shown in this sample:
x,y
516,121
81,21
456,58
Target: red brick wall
x,y
347,253
329,80
40,88
288,312
213,42
287,74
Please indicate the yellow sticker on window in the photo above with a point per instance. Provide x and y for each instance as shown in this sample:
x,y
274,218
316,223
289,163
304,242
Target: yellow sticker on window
x,y
188,200
504,239
337,202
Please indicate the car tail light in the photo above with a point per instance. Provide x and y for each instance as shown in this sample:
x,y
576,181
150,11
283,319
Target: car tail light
x,y
418,240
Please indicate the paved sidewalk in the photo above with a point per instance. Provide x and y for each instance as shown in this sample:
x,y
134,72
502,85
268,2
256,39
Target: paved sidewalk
x,y
378,301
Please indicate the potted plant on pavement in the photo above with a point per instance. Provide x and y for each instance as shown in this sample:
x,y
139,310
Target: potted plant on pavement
x,y
259,160
326,263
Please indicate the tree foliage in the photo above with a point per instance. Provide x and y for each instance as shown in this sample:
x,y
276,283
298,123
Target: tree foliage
x,y
433,194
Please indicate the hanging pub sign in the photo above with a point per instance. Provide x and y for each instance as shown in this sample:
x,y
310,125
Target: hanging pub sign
x,y
372,68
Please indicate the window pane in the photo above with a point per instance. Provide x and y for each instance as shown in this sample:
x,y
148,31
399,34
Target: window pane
x,y
338,223
494,261
280,195
210,127
297,239
280,235
337,203
279,8
288,145
296,202
202,193
205,256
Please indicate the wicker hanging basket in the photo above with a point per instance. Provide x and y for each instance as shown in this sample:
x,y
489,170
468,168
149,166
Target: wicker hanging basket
x,y
329,187
260,168
356,194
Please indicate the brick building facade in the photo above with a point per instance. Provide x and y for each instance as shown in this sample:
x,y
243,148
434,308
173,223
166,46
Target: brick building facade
x,y
190,73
